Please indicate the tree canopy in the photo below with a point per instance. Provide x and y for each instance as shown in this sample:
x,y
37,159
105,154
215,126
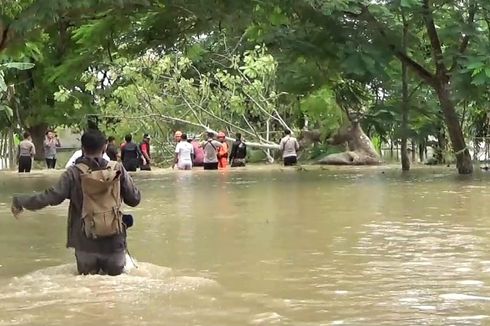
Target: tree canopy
x,y
413,70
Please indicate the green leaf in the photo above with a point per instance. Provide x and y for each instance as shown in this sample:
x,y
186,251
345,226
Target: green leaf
x,y
3,86
409,3
487,72
18,65
8,110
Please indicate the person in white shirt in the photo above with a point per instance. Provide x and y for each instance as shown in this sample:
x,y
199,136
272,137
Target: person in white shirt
x,y
79,154
184,152
289,146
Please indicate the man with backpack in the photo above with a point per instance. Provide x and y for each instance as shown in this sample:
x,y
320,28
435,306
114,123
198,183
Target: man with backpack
x,y
238,152
96,189
210,148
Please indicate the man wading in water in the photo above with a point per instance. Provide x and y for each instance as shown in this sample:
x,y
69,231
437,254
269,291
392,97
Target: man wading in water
x,y
96,189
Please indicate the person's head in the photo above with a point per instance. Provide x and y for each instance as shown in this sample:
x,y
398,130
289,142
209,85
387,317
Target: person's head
x,y
146,138
50,134
238,136
111,140
93,142
178,135
27,135
210,135
287,132
128,138
183,137
221,136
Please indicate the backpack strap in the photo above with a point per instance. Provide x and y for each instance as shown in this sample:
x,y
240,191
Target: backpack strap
x,y
84,168
113,165
210,142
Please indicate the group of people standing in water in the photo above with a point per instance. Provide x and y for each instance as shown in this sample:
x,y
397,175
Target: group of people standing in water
x,y
27,150
212,153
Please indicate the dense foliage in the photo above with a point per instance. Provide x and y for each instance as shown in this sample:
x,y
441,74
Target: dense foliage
x,y
413,70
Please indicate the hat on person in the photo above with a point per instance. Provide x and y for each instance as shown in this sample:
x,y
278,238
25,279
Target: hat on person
x,y
146,136
178,133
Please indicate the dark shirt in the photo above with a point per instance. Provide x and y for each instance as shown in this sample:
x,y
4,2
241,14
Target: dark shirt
x,y
69,187
111,151
238,150
130,151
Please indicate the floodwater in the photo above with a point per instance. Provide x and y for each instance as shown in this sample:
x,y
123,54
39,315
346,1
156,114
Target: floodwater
x,y
265,247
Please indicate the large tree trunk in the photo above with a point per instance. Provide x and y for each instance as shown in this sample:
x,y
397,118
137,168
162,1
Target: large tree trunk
x,y
360,148
405,98
463,157
421,151
38,133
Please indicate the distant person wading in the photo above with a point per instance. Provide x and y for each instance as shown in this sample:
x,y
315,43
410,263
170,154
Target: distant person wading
x,y
289,147
211,148
26,152
184,154
238,152
51,143
130,154
145,153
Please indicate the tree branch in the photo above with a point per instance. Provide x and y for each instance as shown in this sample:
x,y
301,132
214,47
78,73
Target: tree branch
x,y
434,39
4,37
421,71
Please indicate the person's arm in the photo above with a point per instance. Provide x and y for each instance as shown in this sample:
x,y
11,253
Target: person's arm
x,y
234,149
122,152
176,157
33,150
50,197
296,144
18,153
57,140
193,155
129,193
144,150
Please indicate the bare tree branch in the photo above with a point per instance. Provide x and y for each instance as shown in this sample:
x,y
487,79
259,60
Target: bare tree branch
x,y
434,38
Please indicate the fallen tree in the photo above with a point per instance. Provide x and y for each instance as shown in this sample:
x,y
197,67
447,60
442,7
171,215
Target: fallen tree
x,y
360,149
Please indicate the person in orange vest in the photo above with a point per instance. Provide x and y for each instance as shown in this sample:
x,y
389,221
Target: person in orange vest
x,y
222,151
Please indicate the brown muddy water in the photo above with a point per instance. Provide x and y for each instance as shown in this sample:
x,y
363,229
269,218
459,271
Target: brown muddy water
x,y
264,247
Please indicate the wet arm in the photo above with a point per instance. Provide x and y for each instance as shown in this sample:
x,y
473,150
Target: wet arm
x,y
130,194
50,197
145,155
122,153
234,149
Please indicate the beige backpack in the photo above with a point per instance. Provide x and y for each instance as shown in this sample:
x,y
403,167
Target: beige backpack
x,y
101,189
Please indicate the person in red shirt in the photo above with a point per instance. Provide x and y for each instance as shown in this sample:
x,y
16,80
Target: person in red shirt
x,y
145,152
